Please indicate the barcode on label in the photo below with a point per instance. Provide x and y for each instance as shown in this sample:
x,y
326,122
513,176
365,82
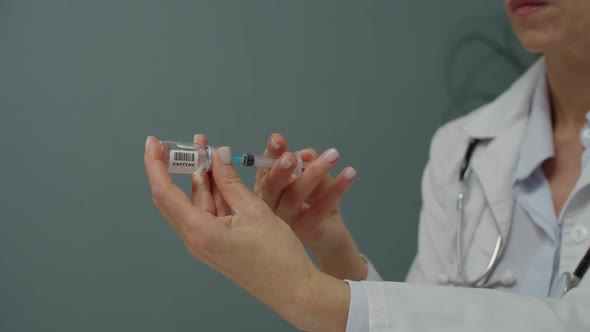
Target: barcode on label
x,y
183,162
184,156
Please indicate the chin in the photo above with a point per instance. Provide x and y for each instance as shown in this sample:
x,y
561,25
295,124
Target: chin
x,y
542,39
551,29
536,42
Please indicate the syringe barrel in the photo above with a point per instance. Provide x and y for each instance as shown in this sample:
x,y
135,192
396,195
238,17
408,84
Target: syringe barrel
x,y
266,162
263,162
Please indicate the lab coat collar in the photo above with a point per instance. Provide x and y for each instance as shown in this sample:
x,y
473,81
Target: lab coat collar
x,y
536,145
509,108
502,124
585,176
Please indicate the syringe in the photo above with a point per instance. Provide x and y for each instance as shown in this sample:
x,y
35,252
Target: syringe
x,y
192,158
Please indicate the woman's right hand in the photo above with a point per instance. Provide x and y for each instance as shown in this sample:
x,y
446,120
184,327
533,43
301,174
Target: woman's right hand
x,y
250,246
309,205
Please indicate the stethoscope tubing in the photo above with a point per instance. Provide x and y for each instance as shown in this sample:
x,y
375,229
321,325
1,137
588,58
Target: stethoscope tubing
x,y
570,280
492,262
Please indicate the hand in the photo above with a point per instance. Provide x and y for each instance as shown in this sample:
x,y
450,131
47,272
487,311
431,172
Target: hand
x,y
309,205
252,247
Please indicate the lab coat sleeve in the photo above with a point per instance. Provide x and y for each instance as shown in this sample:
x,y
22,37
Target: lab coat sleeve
x,y
358,309
420,306
411,307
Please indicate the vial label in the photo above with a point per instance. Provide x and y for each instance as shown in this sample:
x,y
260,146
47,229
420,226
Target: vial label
x,y
182,162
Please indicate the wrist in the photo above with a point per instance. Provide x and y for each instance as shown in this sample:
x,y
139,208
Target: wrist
x,y
344,241
342,260
325,304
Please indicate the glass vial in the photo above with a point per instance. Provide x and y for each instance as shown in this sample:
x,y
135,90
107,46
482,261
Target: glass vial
x,y
186,158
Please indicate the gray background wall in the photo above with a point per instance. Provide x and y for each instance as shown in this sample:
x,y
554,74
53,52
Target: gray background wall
x,y
82,83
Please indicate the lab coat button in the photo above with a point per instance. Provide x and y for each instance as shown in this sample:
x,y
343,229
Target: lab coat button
x,y
579,234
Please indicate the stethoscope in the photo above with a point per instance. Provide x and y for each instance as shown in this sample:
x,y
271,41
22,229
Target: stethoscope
x,y
566,281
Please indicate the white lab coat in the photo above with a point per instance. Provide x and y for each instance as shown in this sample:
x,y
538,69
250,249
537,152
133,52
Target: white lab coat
x,y
422,305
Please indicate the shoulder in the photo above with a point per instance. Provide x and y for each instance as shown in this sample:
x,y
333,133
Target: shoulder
x,y
453,135
488,121
450,141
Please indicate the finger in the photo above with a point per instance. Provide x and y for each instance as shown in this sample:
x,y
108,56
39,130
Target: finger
x,y
277,180
214,200
299,190
331,196
201,185
201,140
308,155
169,199
201,196
229,184
220,204
275,147
320,189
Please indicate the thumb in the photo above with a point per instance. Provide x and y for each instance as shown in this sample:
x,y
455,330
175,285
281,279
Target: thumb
x,y
228,182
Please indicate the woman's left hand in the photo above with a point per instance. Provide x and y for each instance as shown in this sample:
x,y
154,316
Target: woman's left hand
x,y
309,205
252,247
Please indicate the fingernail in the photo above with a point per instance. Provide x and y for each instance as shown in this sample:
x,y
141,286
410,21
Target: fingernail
x,y
224,155
285,163
196,138
350,173
306,155
274,144
147,142
331,155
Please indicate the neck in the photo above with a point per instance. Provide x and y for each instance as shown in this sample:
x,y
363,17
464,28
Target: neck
x,y
568,78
